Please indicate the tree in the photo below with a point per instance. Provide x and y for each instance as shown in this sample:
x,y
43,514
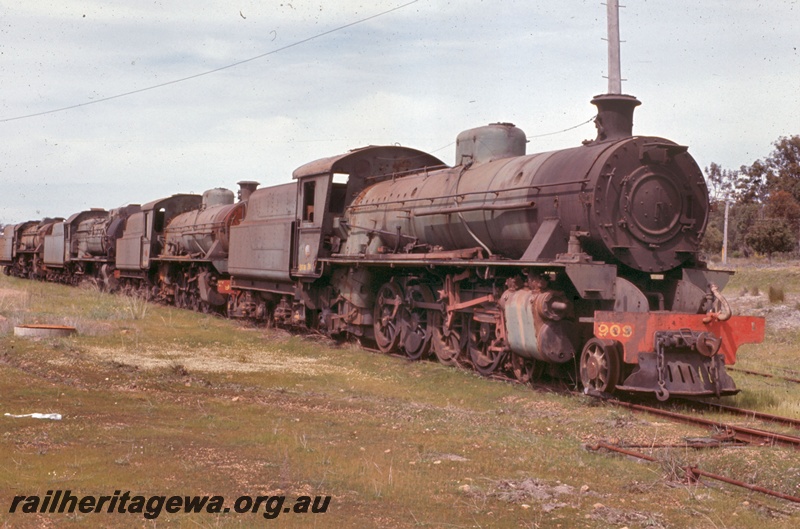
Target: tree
x,y
783,166
782,205
769,236
721,183
780,171
752,186
712,241
742,218
768,189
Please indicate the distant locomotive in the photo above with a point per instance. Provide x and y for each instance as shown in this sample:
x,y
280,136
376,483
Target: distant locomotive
x,y
176,248
84,246
585,258
22,245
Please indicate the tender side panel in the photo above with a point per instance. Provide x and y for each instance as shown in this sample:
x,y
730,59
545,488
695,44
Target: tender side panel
x,y
260,247
54,246
129,247
7,245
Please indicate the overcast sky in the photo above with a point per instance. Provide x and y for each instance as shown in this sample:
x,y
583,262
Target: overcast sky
x,y
722,77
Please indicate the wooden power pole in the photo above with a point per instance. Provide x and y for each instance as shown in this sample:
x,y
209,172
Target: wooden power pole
x,y
614,74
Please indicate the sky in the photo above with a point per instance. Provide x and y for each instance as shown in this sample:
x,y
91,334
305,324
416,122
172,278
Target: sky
x,y
294,81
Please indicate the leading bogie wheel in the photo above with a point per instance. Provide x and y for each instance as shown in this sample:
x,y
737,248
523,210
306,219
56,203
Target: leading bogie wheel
x,y
600,365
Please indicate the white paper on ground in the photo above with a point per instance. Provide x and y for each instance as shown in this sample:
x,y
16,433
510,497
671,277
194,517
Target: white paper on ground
x,y
52,416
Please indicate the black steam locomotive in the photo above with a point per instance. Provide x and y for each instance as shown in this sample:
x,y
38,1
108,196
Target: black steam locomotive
x,y
584,259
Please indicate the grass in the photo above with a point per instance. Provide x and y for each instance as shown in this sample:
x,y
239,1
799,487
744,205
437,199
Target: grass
x,y
164,401
760,277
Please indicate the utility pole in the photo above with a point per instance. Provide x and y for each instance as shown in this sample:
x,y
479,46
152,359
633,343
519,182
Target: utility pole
x,y
725,234
614,73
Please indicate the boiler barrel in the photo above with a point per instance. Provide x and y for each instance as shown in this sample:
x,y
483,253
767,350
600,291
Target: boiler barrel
x,y
498,204
91,237
195,232
641,201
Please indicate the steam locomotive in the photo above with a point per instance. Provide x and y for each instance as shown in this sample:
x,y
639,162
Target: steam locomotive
x,y
583,259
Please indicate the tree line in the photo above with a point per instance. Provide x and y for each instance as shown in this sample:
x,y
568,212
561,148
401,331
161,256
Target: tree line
x,y
763,204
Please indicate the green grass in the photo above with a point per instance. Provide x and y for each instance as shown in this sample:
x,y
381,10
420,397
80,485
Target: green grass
x,y
761,277
166,401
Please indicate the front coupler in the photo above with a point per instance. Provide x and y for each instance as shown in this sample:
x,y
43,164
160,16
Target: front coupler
x,y
685,363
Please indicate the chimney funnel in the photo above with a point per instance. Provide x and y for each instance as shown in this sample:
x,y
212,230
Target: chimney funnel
x,y
614,116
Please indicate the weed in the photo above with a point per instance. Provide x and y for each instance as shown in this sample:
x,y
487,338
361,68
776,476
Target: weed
x,y
775,294
14,301
302,440
673,465
179,370
137,306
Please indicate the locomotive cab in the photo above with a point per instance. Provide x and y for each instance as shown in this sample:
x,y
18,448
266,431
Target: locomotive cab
x,y
323,197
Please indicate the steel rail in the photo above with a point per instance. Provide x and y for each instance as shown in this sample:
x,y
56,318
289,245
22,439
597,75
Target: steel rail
x,y
750,435
747,413
693,473
765,375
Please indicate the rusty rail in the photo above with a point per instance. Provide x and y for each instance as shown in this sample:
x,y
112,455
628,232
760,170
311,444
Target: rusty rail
x,y
712,442
765,375
750,435
693,473
747,413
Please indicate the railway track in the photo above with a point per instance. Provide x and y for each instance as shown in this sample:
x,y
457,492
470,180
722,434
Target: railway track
x,y
740,433
764,375
733,435
693,474
766,417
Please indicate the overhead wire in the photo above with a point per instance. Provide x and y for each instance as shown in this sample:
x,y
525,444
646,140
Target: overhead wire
x,y
564,130
215,70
